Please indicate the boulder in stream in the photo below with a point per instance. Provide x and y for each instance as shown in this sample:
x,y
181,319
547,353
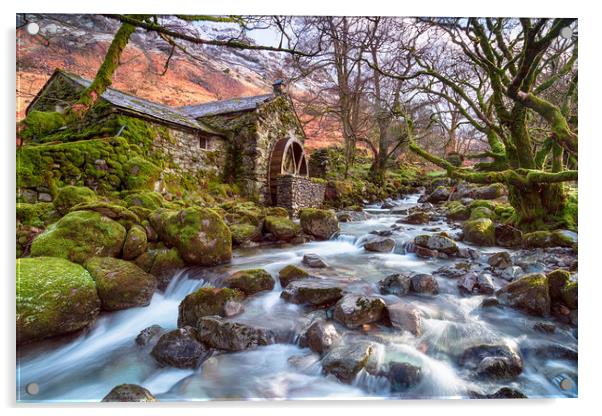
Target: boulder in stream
x,y
321,223
218,333
291,273
180,348
416,218
501,260
439,242
403,376
529,294
440,194
129,393
424,283
314,292
150,334
497,362
380,245
320,336
508,236
479,231
250,281
395,284
353,311
314,261
345,361
209,301
405,317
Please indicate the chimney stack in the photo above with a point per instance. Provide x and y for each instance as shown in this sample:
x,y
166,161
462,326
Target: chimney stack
x,y
278,85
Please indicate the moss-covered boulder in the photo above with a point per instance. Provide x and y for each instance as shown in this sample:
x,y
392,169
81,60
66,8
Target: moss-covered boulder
x,y
80,235
480,231
545,239
250,281
141,174
481,212
121,284
209,301
145,199
530,294
569,295
163,263
113,211
457,211
70,196
321,223
34,215
354,311
54,297
493,191
135,242
291,273
199,234
244,233
276,212
557,280
283,229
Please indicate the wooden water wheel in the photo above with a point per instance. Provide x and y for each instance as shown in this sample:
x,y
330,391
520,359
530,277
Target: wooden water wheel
x,y
287,158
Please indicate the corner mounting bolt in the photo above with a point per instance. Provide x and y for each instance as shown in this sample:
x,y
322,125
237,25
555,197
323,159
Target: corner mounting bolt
x,y
32,28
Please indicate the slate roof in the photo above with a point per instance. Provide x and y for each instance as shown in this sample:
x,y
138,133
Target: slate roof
x,y
233,105
139,105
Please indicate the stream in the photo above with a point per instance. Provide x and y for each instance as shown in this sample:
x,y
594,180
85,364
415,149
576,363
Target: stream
x,y
86,366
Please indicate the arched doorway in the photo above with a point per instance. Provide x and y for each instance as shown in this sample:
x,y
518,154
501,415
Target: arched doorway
x,y
288,157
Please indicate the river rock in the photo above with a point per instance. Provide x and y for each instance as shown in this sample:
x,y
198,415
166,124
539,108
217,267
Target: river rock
x,y
395,284
121,284
557,280
468,253
439,242
424,283
321,223
217,333
54,297
545,239
529,294
508,236
148,335
405,317
511,273
353,311
164,263
440,194
387,205
290,274
315,292
545,327
135,242
129,393
492,361
320,336
424,252
416,218
380,245
344,362
503,393
403,376
180,348
250,281
314,261
480,231
501,260
209,301
283,229
200,235
492,191
80,235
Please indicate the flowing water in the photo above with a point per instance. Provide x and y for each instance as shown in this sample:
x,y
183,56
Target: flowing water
x,y
85,367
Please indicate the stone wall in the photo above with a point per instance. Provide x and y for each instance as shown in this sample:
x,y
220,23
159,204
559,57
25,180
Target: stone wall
x,y
297,192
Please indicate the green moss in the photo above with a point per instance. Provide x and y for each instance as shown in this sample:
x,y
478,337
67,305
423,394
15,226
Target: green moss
x,y
569,295
113,211
34,214
80,235
543,239
38,124
141,174
242,233
250,281
276,212
481,212
145,199
281,228
69,196
457,211
480,231
291,273
483,203
54,296
135,242
206,302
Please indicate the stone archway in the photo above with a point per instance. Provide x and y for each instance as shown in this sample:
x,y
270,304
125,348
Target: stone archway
x,y
287,158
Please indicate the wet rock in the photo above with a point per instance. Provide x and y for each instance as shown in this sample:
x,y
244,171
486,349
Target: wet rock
x,y
425,253
180,348
283,229
208,301
320,223
501,260
438,242
440,194
353,311
557,280
551,351
148,335
135,242
344,217
320,337
250,281
454,271
503,393
492,361
424,283
217,333
508,236
529,294
544,239
468,282
480,231
490,303
395,284
399,211
290,274
164,265
245,233
405,317
468,253
403,376
416,218
569,295
313,260
458,212
129,393
387,205
315,292
380,245
344,362
485,284
545,327
492,191
121,284
511,273
382,233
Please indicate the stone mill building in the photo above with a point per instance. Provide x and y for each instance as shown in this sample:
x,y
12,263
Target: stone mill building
x,y
256,141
